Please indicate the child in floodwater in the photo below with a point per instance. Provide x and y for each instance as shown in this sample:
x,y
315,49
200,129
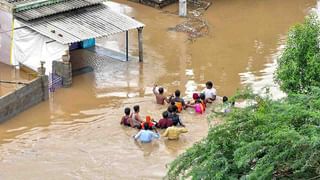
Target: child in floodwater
x,y
146,135
227,106
165,122
210,92
178,101
203,101
160,97
136,119
126,120
198,107
173,132
174,116
149,122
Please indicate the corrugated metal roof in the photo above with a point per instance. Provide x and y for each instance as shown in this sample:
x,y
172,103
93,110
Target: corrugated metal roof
x,y
82,24
56,8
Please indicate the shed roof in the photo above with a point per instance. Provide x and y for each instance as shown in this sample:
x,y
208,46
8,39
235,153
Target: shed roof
x,y
82,24
34,12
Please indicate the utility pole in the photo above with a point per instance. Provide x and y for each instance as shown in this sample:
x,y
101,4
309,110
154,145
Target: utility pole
x,y
182,8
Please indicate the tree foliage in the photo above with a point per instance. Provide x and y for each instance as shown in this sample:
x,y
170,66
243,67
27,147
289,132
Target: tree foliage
x,y
273,139
268,139
299,64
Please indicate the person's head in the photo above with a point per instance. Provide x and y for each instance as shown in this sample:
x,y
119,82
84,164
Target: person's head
x,y
198,101
148,119
175,123
177,93
209,85
233,103
202,96
146,126
170,109
224,99
172,103
127,111
165,114
136,108
160,90
195,96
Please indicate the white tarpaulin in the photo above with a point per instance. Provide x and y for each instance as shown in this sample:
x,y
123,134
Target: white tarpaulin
x,y
30,47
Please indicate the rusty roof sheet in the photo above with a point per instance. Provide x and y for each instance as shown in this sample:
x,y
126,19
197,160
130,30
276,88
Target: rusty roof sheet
x,y
56,8
82,24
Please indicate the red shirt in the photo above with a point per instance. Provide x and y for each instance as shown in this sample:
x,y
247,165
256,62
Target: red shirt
x,y
164,123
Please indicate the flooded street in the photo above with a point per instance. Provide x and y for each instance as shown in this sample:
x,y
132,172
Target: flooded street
x,y
76,134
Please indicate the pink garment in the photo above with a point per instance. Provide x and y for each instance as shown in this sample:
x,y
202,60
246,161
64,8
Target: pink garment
x,y
198,108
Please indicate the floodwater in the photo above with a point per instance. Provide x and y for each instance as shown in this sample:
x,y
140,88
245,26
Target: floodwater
x,y
10,75
76,134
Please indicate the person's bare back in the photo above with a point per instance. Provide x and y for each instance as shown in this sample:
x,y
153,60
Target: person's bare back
x,y
160,98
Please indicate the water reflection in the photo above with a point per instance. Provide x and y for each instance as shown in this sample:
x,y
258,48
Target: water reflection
x,y
264,84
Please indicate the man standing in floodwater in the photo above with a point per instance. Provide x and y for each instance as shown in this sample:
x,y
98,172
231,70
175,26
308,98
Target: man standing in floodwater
x,y
210,92
174,132
160,97
146,135
178,101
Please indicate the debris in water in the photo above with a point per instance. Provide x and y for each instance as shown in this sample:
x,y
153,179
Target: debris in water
x,y
194,26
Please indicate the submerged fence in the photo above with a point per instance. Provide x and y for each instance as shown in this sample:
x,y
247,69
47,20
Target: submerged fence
x,y
55,82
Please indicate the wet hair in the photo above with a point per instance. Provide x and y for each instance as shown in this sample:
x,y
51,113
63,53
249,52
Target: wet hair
x,y
209,84
127,111
202,96
177,93
160,90
165,114
136,108
146,126
224,99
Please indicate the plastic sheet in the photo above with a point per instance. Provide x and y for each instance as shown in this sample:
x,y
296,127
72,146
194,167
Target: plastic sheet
x,y
30,47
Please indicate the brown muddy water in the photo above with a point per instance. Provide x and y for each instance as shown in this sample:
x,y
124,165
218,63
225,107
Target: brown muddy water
x,y
10,74
76,134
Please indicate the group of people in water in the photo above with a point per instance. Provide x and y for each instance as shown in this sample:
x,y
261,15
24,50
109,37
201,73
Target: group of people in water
x,y
170,120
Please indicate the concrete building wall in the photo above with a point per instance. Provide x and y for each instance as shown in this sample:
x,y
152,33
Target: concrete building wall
x,y
6,23
64,70
23,98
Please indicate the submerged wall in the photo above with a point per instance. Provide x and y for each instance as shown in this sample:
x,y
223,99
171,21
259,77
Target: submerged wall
x,y
23,98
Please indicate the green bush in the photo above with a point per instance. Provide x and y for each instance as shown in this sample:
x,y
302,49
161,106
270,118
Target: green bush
x,y
299,64
273,139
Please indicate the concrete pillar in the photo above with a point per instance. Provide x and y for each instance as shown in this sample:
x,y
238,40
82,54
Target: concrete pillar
x,y
64,70
127,45
183,8
140,42
44,81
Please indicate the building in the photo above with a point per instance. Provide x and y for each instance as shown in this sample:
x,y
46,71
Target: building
x,y
32,31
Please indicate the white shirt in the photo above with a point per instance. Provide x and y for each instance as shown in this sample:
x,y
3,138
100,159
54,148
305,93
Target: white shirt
x,y
210,93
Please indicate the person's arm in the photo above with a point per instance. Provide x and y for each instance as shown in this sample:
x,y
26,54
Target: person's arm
x,y
137,135
183,130
154,90
165,134
155,135
122,120
180,122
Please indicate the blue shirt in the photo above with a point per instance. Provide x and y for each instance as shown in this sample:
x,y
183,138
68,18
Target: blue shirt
x,y
146,136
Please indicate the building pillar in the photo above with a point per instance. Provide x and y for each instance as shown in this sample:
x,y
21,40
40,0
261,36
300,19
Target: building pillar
x,y
140,42
64,70
44,81
127,45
